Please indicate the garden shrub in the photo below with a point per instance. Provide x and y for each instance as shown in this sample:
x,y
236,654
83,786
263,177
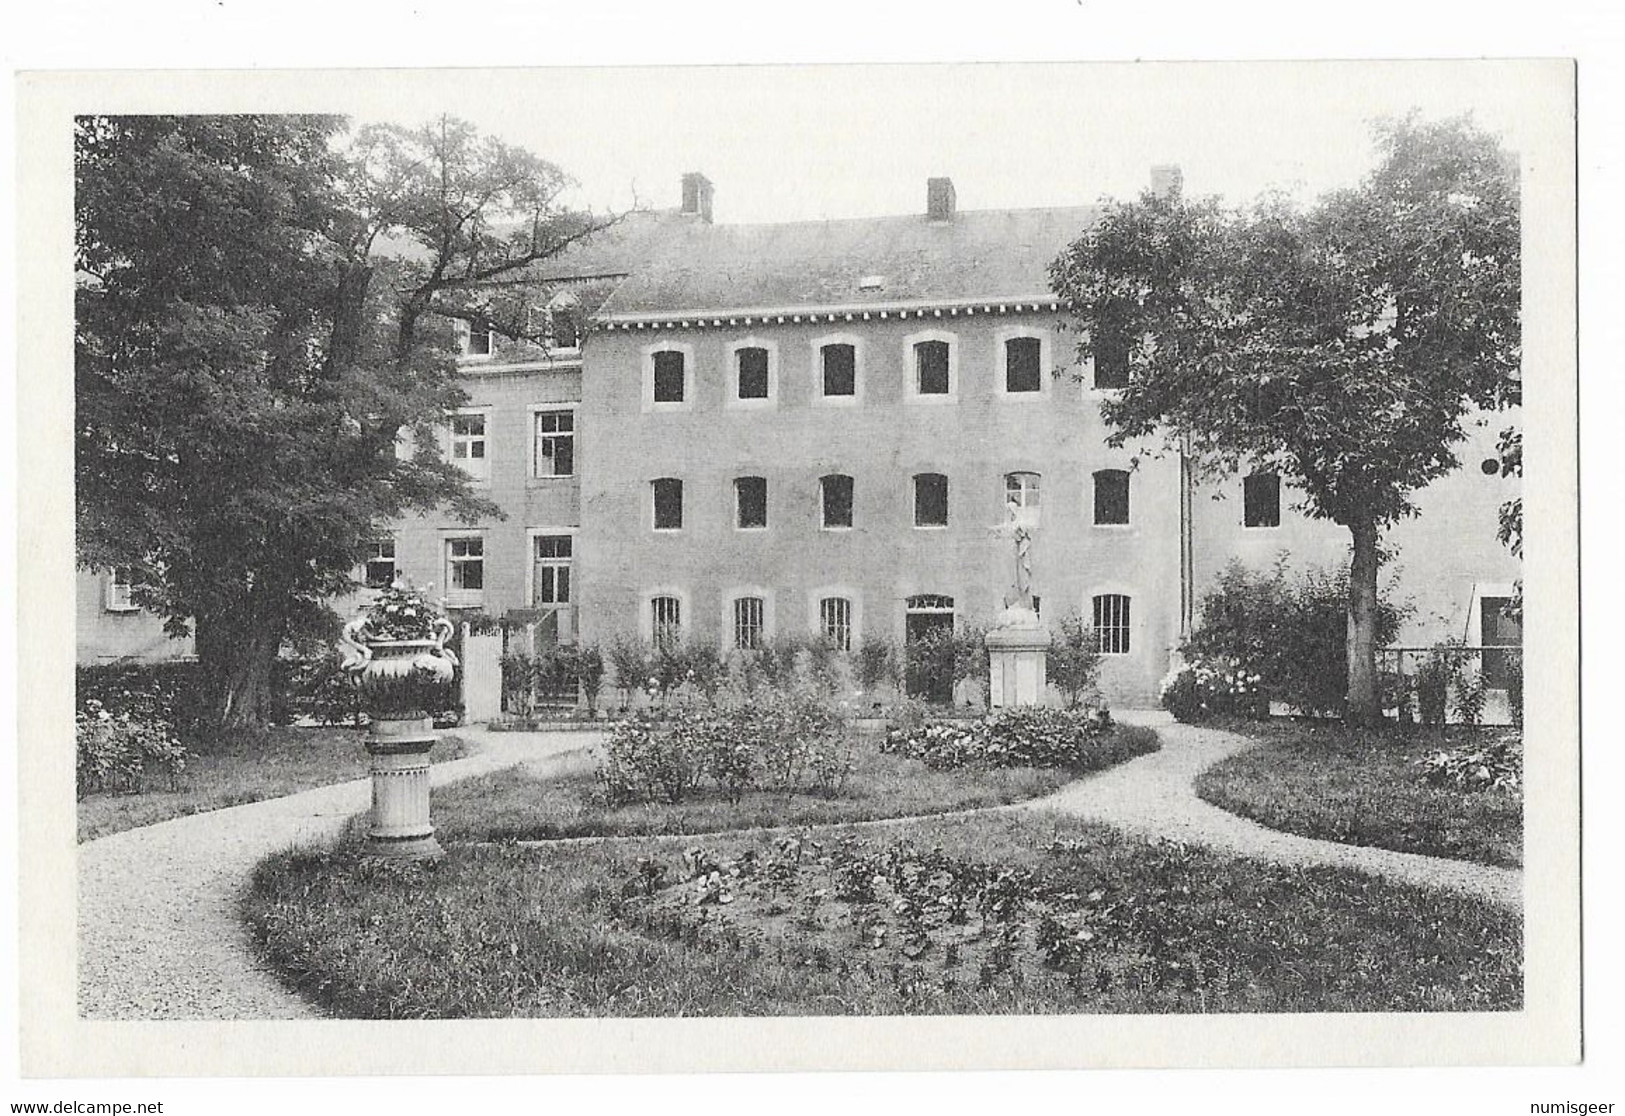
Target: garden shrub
x,y
876,665
118,752
1291,632
1074,661
171,692
930,661
1027,736
1494,764
321,688
1210,685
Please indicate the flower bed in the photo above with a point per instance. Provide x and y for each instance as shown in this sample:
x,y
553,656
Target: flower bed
x,y
1077,739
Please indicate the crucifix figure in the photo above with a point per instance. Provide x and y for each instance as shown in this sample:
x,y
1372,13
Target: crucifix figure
x,y
1022,536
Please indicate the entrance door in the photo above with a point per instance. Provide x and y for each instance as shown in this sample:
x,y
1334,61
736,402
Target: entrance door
x,y
929,630
1499,630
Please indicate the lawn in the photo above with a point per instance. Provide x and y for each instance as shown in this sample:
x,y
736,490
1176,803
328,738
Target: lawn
x,y
1361,787
517,805
1025,913
240,769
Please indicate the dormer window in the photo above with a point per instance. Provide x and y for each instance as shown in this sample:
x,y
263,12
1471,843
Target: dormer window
x,y
475,344
872,283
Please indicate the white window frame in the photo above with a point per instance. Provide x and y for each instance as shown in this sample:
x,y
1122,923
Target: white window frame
x,y
1127,523
1001,368
914,501
1280,504
682,487
394,562
1030,507
685,613
767,499
483,474
464,598
769,614
531,535
116,591
733,401
464,331
649,351
852,510
818,397
848,593
1132,628
911,378
536,411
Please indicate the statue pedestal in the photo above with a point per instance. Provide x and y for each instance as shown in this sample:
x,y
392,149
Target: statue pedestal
x,y
1017,651
400,827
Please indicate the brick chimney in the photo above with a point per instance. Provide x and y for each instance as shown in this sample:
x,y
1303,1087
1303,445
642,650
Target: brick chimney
x,y
697,195
1166,179
939,199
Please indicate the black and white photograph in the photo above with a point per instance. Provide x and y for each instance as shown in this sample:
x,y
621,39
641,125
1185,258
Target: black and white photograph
x,y
893,566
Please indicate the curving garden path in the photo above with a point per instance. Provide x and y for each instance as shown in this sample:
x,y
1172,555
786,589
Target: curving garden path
x,y
159,935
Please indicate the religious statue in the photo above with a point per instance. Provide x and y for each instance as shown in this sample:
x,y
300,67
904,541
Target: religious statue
x,y
1020,599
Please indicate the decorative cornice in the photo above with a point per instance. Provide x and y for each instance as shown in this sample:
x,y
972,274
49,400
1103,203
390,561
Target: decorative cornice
x,y
860,312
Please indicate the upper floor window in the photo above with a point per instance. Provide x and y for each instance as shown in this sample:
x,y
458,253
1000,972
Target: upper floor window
x,y
838,370
561,322
1023,365
835,622
931,376
474,343
751,373
380,564
1261,500
1111,498
1112,626
930,500
670,377
665,620
120,590
668,504
465,572
1021,489
750,618
1111,357
750,502
468,443
555,443
835,496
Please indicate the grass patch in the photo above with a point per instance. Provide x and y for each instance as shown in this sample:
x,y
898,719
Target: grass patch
x,y
246,767
516,805
624,929
1363,787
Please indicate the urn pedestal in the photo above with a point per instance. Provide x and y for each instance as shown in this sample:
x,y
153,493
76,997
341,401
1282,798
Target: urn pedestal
x,y
1017,652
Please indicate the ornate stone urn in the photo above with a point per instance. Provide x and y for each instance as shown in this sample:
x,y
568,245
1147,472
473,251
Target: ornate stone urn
x,y
397,655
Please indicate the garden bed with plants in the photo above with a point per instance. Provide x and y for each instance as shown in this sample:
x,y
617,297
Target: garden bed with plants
x,y
1450,792
992,913
785,762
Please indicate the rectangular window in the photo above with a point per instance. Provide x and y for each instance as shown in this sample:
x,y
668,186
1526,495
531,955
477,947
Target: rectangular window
x,y
669,377
1112,624
835,622
1111,498
381,564
555,443
472,342
120,583
750,502
468,444
666,620
1021,365
748,619
836,496
1022,489
668,496
1111,357
930,500
465,572
552,572
931,367
840,370
1261,497
752,373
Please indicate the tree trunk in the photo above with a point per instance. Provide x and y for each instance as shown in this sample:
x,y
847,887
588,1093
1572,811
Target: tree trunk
x,y
1364,701
349,318
236,658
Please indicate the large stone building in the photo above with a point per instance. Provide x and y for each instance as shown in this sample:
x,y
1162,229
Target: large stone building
x,y
819,427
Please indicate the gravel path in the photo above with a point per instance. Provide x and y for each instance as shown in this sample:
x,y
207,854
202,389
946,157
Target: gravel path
x,y
159,935
1153,796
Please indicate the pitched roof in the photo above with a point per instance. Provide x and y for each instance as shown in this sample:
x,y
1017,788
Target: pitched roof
x,y
975,255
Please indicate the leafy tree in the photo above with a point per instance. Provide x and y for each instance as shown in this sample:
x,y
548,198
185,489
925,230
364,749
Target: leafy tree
x,y
260,313
1343,346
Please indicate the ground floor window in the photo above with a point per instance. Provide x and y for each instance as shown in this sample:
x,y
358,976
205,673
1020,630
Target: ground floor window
x,y
465,572
1111,618
666,620
552,573
835,622
380,565
749,620
120,586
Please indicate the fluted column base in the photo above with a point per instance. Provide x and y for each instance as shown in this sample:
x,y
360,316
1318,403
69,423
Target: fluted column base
x,y
399,826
